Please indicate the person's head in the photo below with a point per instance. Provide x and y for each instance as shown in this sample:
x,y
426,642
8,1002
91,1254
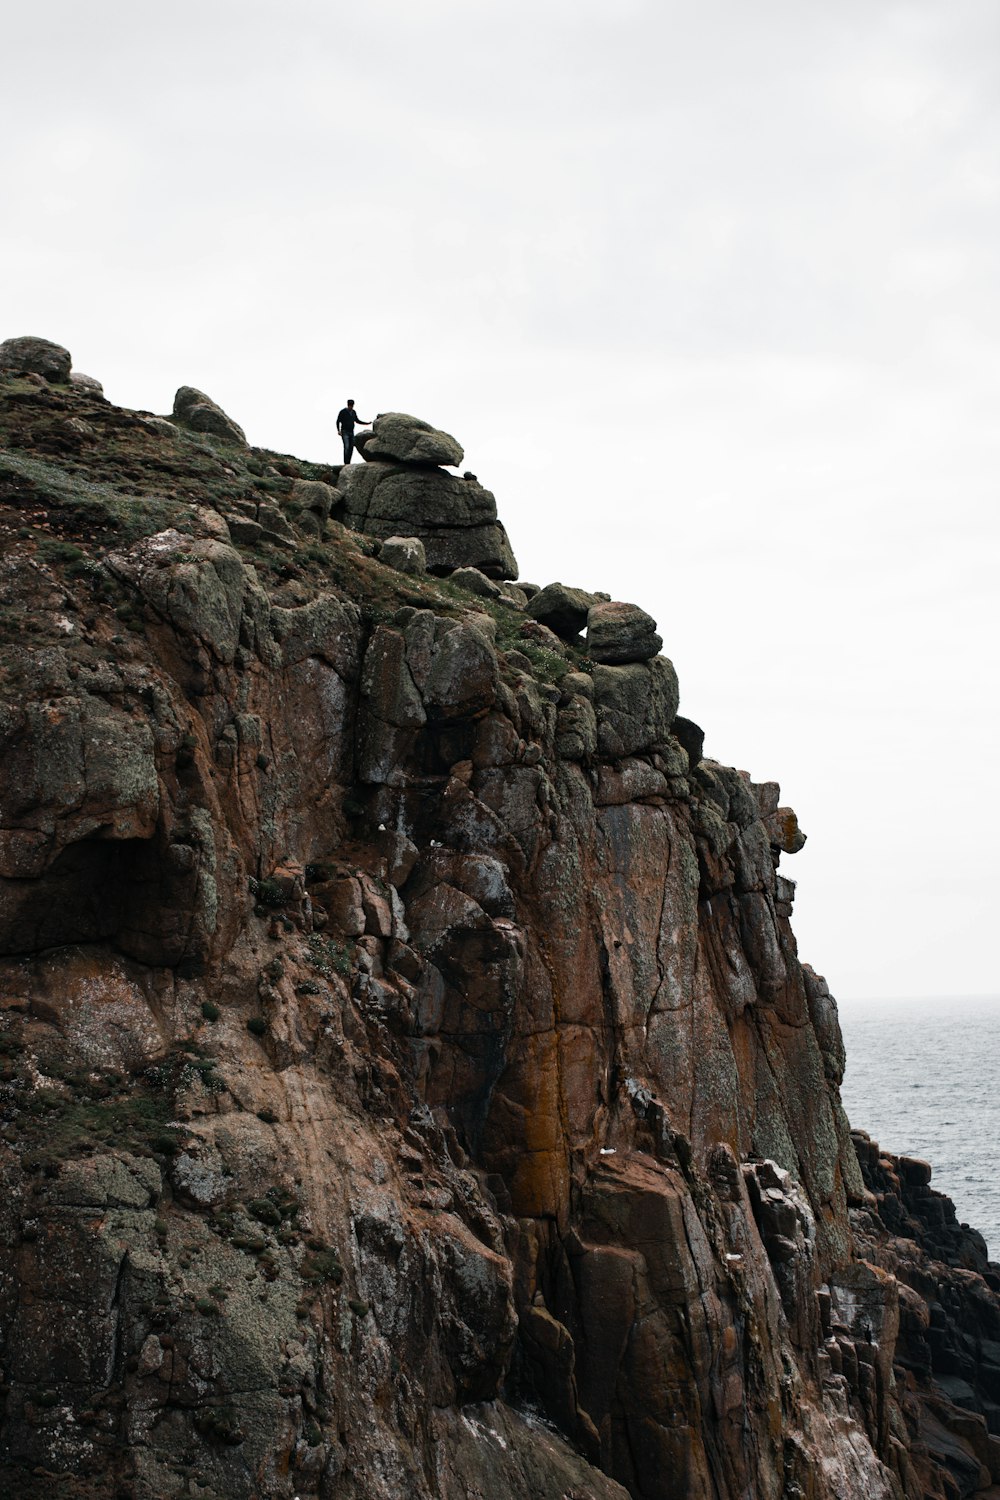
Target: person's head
x,y
350,401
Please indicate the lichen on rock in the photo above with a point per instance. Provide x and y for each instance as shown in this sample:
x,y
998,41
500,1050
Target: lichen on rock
x,y
409,1085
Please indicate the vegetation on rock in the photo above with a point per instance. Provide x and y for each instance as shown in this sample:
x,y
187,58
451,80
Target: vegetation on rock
x,y
402,1033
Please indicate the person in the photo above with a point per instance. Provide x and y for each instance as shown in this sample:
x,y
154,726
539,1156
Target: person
x,y
346,418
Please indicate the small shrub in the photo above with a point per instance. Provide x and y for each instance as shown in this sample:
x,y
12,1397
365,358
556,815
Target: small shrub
x,y
209,1011
322,1266
257,1026
251,1243
358,1308
208,1308
329,957
56,551
269,893
268,1116
264,1210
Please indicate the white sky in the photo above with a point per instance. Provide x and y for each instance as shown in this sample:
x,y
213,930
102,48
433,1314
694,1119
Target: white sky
x,y
708,292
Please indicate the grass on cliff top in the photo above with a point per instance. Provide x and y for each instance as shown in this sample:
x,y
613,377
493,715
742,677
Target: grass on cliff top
x,y
79,476
344,560
84,506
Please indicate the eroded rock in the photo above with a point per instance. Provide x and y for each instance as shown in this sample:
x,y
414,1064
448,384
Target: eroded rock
x,y
192,408
618,633
404,439
404,553
35,356
399,1022
456,519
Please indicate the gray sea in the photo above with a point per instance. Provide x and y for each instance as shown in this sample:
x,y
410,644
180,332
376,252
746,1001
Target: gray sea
x,y
923,1078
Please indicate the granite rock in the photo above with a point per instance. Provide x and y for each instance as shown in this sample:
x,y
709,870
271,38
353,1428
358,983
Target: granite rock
x,y
619,633
200,413
399,438
404,553
35,356
455,519
409,1085
564,610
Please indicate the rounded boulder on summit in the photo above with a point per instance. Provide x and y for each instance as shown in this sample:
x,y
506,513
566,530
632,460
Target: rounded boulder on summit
x,y
399,438
28,355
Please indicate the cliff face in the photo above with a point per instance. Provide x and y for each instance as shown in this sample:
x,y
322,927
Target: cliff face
x,y
409,1084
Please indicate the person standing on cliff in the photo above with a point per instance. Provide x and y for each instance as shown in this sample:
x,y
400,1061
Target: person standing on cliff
x,y
346,418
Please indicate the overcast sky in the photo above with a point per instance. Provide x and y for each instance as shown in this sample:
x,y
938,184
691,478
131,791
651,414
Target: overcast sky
x,y
708,292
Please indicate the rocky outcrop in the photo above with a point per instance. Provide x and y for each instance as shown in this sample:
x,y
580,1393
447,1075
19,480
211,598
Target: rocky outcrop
x,y
398,438
619,633
946,1358
564,610
86,382
200,413
408,1081
34,356
456,519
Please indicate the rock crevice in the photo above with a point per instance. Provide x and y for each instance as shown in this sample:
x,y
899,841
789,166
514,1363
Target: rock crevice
x,y
409,1084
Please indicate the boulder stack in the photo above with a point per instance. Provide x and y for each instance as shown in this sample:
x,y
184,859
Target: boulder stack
x,y
401,490
563,609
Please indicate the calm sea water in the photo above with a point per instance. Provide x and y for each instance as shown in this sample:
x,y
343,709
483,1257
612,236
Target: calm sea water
x,y
923,1078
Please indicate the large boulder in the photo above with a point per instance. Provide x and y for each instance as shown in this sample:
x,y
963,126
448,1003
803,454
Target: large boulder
x,y
199,412
456,519
404,553
636,705
82,382
404,439
562,609
34,356
619,633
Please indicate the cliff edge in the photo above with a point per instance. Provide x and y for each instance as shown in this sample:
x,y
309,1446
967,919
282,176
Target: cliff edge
x,y
409,1085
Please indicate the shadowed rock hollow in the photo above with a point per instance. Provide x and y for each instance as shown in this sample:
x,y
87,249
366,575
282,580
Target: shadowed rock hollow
x,y
409,1085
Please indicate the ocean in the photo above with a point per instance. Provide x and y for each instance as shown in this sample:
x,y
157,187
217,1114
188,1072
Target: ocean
x,y
923,1078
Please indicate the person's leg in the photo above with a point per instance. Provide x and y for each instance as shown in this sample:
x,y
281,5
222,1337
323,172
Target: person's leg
x,y
348,444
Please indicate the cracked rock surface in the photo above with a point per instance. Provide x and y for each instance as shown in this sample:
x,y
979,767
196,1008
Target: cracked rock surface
x,y
409,1085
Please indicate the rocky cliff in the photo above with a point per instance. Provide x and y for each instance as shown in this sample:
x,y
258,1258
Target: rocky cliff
x,y
409,1086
